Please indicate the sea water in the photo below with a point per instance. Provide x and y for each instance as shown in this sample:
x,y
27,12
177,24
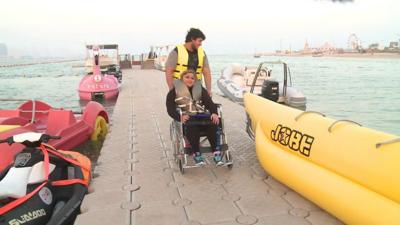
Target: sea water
x,y
365,90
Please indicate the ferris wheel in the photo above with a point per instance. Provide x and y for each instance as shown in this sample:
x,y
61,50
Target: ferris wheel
x,y
353,42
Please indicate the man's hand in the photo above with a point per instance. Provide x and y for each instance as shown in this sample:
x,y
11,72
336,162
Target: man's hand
x,y
185,118
215,119
209,93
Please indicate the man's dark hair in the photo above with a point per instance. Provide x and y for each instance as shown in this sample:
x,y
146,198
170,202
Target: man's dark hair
x,y
194,33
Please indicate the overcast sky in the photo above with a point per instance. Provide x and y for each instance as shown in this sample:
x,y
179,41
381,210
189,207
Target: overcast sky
x,y
61,28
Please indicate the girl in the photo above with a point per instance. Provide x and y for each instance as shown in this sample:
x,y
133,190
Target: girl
x,y
190,96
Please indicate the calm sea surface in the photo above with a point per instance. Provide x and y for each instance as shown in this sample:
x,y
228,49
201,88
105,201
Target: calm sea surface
x,y
364,90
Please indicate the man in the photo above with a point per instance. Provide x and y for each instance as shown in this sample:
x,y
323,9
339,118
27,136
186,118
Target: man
x,y
189,56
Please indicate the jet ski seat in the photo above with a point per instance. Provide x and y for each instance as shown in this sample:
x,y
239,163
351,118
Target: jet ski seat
x,y
14,184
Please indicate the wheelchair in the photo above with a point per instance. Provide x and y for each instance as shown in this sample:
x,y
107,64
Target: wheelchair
x,y
181,147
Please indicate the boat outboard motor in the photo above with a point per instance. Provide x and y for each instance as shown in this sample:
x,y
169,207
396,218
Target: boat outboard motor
x,y
270,90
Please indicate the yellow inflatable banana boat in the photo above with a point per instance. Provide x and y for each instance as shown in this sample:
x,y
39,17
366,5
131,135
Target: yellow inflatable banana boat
x,y
351,171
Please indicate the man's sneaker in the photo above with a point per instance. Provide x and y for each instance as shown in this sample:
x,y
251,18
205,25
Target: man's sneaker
x,y
218,158
198,159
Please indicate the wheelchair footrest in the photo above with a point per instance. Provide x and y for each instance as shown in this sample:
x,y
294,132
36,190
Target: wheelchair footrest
x,y
206,149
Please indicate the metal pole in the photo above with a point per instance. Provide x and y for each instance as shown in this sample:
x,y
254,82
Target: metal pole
x,y
284,79
33,110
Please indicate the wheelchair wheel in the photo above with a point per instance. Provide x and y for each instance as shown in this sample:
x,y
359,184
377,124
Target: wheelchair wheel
x,y
174,142
180,164
228,159
171,131
172,137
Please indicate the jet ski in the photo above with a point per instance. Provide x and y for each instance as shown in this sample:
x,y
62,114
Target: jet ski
x,y
43,185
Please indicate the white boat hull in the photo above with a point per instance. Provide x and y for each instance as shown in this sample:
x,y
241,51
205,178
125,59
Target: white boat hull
x,y
236,80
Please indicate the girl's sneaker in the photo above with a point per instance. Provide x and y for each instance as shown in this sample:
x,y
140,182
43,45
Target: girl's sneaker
x,y
198,159
218,158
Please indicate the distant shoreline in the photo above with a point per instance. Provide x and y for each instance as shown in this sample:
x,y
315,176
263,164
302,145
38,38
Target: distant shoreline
x,y
366,55
344,55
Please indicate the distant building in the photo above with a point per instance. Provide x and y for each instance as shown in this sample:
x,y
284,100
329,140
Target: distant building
x,y
373,47
340,50
393,47
327,48
394,44
3,50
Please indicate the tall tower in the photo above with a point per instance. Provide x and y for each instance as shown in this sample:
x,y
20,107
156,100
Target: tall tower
x,y
306,46
3,50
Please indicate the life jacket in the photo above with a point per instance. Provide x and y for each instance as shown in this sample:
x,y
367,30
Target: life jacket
x,y
183,61
189,103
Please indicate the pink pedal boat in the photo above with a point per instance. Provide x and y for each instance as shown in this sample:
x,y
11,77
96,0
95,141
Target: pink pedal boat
x,y
97,85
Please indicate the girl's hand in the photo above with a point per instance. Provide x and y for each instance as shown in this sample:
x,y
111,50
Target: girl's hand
x,y
214,118
185,118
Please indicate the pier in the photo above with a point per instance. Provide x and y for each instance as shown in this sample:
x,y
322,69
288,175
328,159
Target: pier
x,y
136,180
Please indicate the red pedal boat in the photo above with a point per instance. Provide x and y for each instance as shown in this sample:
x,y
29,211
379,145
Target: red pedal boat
x,y
37,116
